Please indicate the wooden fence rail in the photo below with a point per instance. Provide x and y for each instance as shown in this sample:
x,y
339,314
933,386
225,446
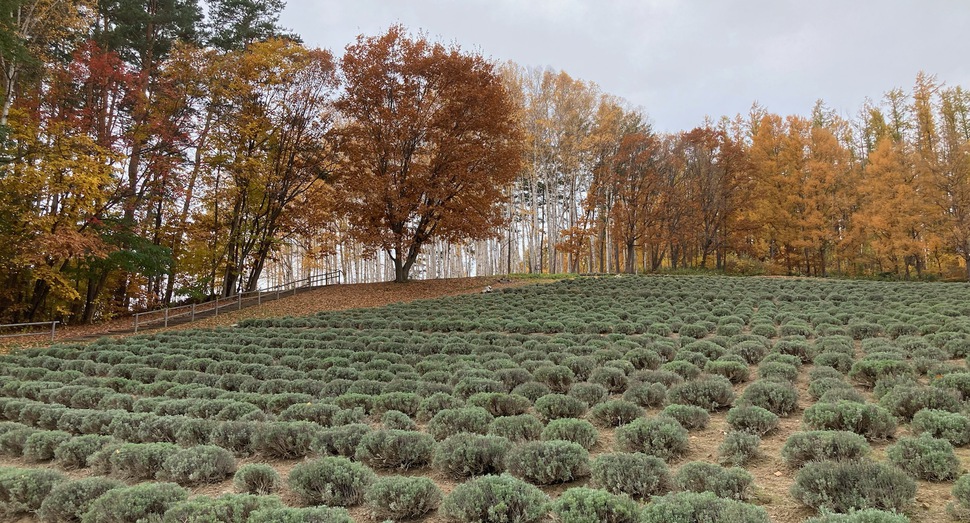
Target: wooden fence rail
x,y
164,316
24,327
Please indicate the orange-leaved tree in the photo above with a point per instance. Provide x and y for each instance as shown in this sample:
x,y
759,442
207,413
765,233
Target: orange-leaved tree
x,y
429,141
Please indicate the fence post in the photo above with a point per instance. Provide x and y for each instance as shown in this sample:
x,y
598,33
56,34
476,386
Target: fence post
x,y
166,316
259,297
217,306
53,328
193,312
136,322
239,307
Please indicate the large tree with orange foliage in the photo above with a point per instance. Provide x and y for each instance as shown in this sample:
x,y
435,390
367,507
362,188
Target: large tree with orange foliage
x,y
430,140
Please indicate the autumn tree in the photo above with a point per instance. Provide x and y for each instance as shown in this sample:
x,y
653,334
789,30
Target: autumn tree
x,y
428,144
272,104
58,187
954,173
30,32
712,164
612,122
634,177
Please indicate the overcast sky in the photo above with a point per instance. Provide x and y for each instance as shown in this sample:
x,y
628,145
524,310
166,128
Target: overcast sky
x,y
683,59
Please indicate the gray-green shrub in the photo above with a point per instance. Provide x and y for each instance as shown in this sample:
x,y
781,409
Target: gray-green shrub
x,y
843,486
138,461
557,377
238,437
228,508
960,508
397,420
776,370
256,478
198,465
869,515
555,406
752,419
634,474
548,462
464,455
588,393
500,403
12,442
646,394
837,360
285,439
340,441
395,449
659,436
709,392
872,421
613,379
571,429
74,453
870,370
820,386
951,426
818,445
780,398
335,481
495,499
905,401
435,403
694,507
613,413
40,446
698,476
22,491
925,457
524,427
145,501
734,371
586,505
69,500
738,447
399,497
301,515
690,417
453,421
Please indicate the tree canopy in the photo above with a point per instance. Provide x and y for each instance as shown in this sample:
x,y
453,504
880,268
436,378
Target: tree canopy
x,y
430,143
153,154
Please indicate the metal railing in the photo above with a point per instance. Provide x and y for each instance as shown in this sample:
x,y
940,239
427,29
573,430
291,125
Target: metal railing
x,y
53,325
164,316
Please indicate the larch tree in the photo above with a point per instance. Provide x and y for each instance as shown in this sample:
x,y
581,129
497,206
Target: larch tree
x,y
954,175
429,142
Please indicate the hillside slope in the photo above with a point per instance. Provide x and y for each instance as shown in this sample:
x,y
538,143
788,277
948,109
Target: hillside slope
x,y
330,298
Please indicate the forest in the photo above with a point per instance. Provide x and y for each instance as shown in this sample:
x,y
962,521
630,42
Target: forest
x,y
174,152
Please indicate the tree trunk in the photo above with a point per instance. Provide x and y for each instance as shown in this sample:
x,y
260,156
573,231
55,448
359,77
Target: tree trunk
x,y
402,266
94,289
631,258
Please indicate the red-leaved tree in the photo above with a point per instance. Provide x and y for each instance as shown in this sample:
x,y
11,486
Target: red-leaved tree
x,y
429,142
